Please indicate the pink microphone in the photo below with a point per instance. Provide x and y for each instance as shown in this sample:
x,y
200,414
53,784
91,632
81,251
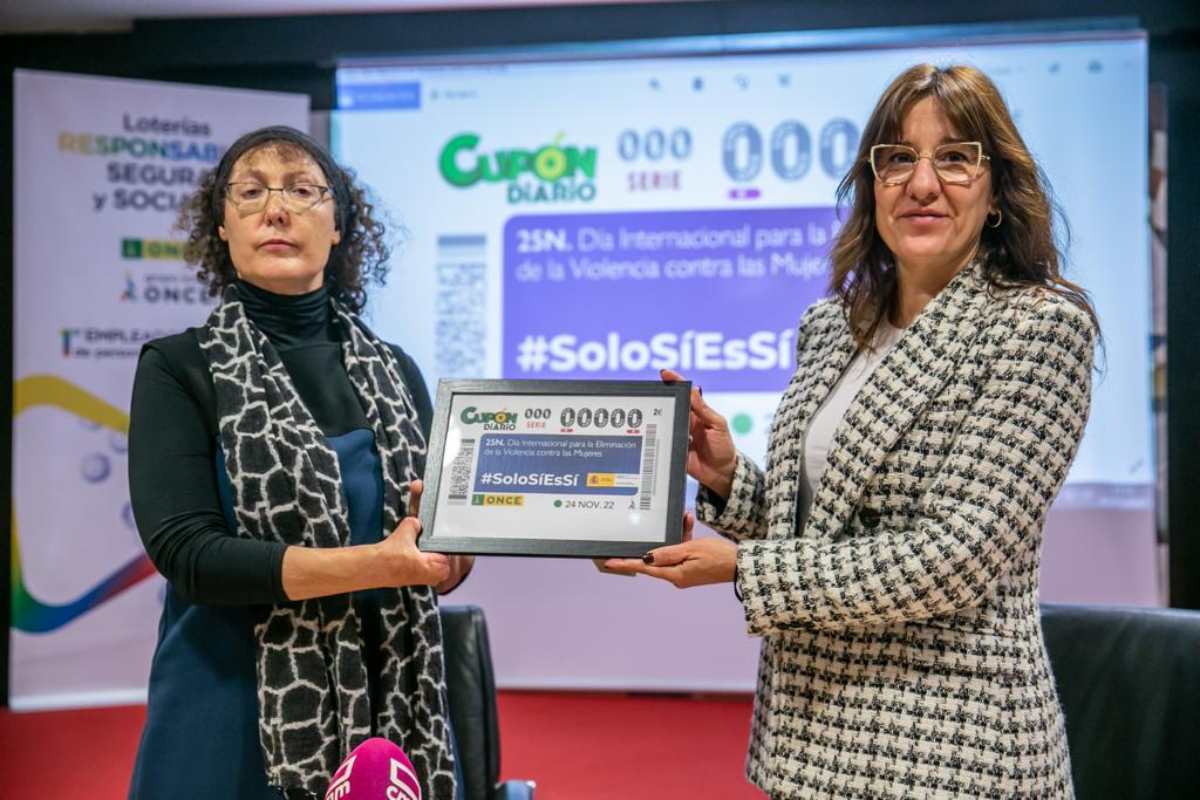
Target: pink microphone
x,y
375,770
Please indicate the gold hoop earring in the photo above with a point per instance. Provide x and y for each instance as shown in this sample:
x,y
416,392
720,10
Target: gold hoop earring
x,y
999,219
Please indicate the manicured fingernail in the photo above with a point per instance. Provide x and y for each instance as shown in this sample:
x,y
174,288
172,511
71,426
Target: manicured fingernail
x,y
701,388
648,558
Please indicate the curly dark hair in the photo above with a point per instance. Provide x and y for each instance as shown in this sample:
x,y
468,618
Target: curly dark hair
x,y
360,258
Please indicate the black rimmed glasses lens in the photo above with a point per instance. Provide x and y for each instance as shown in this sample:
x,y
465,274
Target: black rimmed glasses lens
x,y
250,197
954,163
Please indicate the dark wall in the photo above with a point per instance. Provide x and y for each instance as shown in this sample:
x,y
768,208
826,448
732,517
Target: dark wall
x,y
298,54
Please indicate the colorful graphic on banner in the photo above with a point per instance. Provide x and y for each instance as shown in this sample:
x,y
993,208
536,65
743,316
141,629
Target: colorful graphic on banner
x,y
116,159
30,614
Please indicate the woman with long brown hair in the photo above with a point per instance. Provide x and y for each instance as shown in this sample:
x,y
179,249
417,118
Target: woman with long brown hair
x,y
888,556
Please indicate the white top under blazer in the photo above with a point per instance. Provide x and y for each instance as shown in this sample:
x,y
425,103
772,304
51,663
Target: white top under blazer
x,y
819,437
902,651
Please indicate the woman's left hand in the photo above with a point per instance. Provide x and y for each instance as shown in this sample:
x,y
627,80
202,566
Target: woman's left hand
x,y
460,566
694,562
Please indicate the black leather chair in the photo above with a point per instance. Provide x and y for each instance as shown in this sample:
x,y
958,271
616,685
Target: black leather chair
x,y
1129,681
472,691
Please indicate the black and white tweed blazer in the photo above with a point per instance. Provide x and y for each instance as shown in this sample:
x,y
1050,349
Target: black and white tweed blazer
x,y
902,650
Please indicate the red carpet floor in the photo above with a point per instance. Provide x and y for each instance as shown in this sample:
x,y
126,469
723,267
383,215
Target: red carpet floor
x,y
575,746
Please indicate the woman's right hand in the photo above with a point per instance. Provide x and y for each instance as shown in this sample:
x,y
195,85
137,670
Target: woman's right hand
x,y
394,561
406,565
711,454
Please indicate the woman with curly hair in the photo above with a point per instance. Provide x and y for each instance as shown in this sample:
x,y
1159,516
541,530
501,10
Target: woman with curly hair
x,y
888,555
275,458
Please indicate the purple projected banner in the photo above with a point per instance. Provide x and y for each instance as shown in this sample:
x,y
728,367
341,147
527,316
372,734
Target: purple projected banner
x,y
715,295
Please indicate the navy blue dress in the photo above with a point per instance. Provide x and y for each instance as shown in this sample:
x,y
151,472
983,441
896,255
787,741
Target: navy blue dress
x,y
207,652
201,734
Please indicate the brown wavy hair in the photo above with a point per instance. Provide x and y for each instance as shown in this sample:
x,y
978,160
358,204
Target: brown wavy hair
x,y
360,258
1021,251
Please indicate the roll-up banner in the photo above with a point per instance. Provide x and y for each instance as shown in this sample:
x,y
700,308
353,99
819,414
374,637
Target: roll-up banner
x,y
101,168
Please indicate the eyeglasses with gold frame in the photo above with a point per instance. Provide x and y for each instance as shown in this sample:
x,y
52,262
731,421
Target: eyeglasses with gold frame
x,y
954,163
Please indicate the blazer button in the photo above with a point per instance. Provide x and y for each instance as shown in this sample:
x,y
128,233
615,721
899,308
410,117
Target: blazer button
x,y
870,518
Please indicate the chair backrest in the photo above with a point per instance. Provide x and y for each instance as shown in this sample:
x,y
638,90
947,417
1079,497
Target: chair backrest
x,y
472,697
1129,682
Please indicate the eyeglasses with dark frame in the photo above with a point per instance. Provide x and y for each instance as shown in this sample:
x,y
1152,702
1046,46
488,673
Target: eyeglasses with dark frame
x,y
954,163
250,197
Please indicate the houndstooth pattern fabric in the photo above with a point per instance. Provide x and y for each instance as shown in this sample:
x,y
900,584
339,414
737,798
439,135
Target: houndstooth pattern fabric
x,y
313,691
902,651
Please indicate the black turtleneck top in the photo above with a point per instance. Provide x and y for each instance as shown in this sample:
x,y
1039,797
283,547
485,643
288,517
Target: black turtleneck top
x,y
174,453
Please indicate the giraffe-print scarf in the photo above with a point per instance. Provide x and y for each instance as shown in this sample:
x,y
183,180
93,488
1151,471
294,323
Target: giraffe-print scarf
x,y
313,698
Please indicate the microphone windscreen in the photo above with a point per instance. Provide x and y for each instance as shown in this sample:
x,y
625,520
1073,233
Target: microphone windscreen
x,y
375,770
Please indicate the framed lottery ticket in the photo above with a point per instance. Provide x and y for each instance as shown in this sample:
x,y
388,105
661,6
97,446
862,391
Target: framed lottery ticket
x,y
555,468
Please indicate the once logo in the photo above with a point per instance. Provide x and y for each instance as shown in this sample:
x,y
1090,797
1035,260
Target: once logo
x,y
158,249
494,500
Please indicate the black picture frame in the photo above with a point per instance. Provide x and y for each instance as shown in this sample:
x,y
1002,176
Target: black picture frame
x,y
676,452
